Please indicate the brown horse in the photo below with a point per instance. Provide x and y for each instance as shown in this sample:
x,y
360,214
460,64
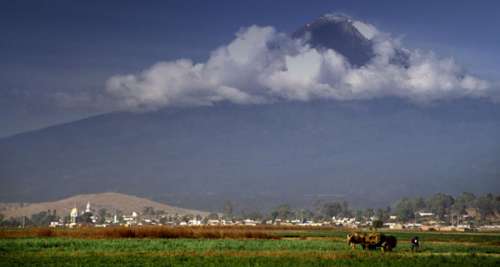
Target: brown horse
x,y
372,241
356,238
389,242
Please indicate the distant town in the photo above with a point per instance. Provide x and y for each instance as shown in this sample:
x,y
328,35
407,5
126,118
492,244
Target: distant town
x,y
439,212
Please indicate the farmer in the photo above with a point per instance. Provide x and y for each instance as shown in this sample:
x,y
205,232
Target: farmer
x,y
415,243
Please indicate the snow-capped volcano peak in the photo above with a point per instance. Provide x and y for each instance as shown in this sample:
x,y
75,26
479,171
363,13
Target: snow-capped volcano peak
x,y
352,38
367,30
335,17
337,32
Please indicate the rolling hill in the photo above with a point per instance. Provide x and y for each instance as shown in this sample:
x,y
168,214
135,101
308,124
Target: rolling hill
x,y
109,201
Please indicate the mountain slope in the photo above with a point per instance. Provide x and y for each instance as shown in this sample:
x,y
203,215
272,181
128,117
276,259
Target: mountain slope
x,y
109,201
261,155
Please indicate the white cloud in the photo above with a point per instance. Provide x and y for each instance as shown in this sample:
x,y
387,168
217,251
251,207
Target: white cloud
x,y
261,65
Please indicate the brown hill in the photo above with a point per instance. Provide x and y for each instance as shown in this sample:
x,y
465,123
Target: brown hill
x,y
109,201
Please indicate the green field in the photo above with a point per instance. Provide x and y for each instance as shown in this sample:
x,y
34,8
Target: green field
x,y
294,248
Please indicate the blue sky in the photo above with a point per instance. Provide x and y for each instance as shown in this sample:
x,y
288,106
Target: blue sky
x,y
53,47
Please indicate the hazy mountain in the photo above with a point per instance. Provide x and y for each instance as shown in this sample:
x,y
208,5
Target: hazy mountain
x,y
369,152
110,201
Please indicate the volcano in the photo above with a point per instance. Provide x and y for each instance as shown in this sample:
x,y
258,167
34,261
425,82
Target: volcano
x,y
351,38
368,152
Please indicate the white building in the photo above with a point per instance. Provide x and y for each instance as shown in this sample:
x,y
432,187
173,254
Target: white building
x,y
87,208
132,219
73,215
194,222
249,222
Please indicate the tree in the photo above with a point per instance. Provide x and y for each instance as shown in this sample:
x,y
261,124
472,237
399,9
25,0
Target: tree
x,y
282,212
381,214
346,212
148,211
85,218
419,204
486,205
467,198
213,216
11,222
305,214
119,215
462,202
102,213
331,209
440,204
253,215
228,209
186,218
497,204
369,213
405,209
378,224
43,218
359,214
274,215
66,218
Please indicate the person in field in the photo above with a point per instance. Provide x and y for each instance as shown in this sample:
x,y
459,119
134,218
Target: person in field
x,y
415,243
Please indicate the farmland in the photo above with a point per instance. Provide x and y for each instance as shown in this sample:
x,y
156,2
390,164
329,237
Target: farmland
x,y
237,246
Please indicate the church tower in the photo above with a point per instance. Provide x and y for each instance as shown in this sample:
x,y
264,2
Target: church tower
x,y
73,214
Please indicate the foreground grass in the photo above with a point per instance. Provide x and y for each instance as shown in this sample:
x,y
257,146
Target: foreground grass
x,y
238,260
492,238
55,245
295,248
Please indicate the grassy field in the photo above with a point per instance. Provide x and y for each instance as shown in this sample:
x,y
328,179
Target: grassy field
x,y
286,247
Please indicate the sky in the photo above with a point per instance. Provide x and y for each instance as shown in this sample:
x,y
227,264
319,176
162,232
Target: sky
x,y
56,56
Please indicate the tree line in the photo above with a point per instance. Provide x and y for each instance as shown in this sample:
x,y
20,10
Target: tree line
x,y
445,207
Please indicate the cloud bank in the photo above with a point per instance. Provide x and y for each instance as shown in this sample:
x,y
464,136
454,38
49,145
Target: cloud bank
x,y
262,65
